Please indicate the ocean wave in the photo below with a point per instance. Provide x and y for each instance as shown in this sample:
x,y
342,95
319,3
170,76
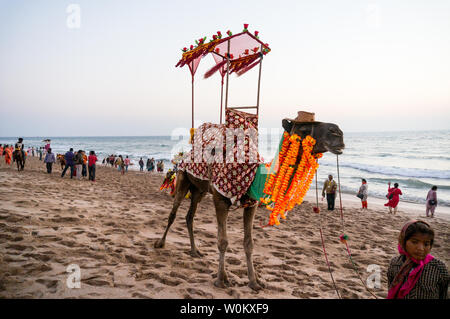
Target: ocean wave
x,y
412,183
398,171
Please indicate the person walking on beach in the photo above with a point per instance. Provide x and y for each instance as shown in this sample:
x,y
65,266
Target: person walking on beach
x,y
122,165
84,169
415,274
152,165
69,163
431,201
394,197
92,159
329,187
147,165
118,162
49,160
8,154
127,163
141,164
362,193
40,153
79,163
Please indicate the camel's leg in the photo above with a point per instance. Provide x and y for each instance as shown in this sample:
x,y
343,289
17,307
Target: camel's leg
x,y
222,205
249,214
181,191
196,197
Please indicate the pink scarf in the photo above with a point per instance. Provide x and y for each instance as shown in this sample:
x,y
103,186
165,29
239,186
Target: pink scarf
x,y
398,289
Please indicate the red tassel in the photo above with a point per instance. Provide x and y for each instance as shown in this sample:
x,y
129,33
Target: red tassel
x,y
215,68
248,68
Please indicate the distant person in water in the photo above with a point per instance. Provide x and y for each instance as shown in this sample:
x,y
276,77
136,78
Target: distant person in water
x,y
431,201
394,197
49,160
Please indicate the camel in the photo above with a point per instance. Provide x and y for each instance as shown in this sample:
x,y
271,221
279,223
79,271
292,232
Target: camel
x,y
328,137
19,158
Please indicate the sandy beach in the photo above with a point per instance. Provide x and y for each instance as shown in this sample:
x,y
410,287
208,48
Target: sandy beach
x,y
108,229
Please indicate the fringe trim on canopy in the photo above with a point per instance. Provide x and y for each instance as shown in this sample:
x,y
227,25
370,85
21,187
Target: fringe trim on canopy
x,y
248,68
215,68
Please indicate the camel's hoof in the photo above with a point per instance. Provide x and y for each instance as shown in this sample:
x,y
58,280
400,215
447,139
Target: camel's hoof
x,y
159,244
255,286
196,253
261,283
220,283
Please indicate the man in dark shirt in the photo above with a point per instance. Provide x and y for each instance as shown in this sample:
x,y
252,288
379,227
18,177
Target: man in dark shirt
x,y
69,163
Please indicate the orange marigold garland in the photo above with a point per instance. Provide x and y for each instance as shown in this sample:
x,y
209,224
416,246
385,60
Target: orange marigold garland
x,y
289,185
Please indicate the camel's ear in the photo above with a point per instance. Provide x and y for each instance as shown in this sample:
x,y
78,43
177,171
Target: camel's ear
x,y
287,125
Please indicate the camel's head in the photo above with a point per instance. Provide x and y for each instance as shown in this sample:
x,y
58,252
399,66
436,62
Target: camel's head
x,y
328,136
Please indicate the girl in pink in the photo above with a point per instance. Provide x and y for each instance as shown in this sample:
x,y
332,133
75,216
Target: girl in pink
x,y
415,274
393,196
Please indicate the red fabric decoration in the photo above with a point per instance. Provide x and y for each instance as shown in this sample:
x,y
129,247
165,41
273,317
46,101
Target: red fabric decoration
x,y
248,68
215,68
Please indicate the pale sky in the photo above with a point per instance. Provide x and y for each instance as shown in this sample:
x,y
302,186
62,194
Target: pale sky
x,y
364,65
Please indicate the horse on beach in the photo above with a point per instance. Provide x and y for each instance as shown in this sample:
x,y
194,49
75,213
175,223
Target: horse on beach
x,y
19,158
329,138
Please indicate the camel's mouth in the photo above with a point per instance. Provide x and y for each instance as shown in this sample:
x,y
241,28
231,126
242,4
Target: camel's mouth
x,y
338,149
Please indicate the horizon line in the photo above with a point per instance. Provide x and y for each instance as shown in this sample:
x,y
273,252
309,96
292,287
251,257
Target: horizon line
x,y
47,136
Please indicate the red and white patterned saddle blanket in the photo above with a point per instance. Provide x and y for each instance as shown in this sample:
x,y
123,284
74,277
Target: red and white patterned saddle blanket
x,y
226,154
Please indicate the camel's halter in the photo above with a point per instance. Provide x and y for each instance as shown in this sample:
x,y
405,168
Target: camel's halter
x,y
343,237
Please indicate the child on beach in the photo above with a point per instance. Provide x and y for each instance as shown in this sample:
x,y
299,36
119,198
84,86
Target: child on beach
x,y
394,197
416,274
431,201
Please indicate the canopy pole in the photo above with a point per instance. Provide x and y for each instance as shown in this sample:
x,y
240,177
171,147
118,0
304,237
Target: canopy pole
x,y
228,69
192,125
259,83
221,100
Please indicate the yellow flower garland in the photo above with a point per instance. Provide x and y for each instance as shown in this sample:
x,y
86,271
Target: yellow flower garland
x,y
284,190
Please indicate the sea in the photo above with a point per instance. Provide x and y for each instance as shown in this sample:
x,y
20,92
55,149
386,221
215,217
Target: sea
x,y
416,160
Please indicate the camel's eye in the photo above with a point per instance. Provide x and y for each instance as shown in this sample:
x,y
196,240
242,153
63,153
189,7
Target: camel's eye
x,y
335,131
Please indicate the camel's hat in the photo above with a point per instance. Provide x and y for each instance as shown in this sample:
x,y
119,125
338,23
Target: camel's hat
x,y
304,117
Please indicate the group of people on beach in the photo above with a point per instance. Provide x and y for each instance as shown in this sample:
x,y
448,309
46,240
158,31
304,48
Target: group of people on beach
x,y
118,162
150,165
393,196
79,164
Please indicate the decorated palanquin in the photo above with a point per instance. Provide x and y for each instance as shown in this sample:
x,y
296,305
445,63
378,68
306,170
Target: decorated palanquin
x,y
226,154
